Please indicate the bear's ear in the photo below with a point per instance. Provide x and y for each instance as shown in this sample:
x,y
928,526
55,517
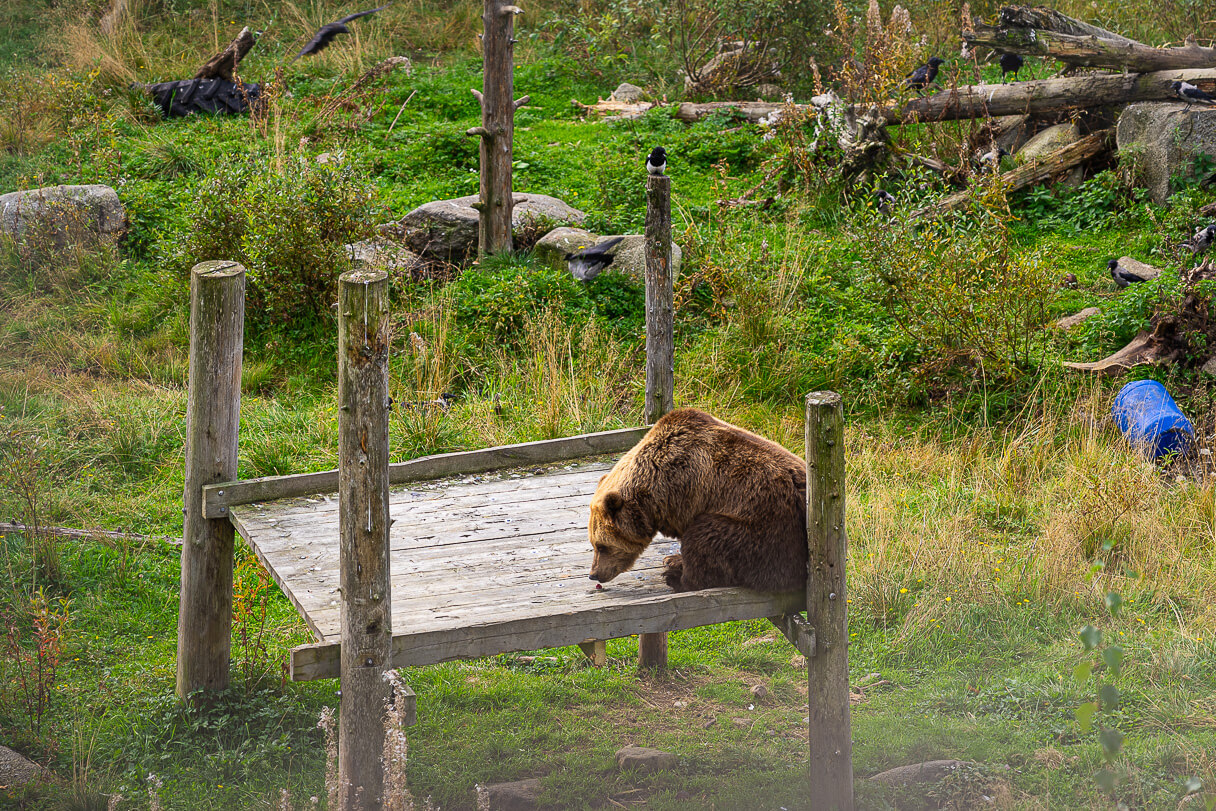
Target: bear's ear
x,y
613,502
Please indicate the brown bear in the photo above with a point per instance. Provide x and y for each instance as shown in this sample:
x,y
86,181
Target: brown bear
x,y
735,500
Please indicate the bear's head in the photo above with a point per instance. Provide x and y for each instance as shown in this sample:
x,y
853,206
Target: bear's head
x,y
619,530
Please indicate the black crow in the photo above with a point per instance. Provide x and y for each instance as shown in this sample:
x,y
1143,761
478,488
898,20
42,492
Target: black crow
x,y
656,161
925,75
886,202
1011,63
330,30
586,264
1191,94
1203,238
1122,276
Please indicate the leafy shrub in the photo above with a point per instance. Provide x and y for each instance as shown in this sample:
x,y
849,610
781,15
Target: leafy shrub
x,y
1093,205
288,224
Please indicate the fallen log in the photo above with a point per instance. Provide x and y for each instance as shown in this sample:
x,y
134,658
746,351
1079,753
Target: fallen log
x,y
1047,33
750,111
1050,165
223,63
87,534
1142,349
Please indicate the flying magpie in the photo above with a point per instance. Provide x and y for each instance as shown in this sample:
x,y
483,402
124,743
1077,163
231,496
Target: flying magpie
x,y
1122,276
330,30
1203,238
656,161
1011,63
587,263
1191,94
925,75
886,202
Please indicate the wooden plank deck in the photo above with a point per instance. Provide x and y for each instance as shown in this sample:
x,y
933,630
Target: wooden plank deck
x,y
482,565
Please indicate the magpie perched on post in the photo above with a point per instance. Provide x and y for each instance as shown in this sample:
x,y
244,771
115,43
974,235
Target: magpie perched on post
x,y
886,202
925,75
656,161
1011,63
1203,238
330,30
1122,276
1191,94
587,263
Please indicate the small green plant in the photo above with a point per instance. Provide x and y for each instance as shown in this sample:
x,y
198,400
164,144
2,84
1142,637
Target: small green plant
x,y
250,597
36,659
1100,712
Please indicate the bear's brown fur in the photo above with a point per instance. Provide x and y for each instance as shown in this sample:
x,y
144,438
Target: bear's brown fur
x,y
735,500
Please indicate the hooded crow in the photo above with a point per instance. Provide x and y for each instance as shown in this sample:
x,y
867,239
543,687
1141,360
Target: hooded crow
x,y
656,161
330,30
1122,276
885,202
1202,240
1011,63
925,75
992,158
586,264
1191,94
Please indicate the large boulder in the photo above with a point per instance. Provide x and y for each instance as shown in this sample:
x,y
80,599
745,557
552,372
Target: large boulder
x,y
551,249
1049,140
18,770
1163,139
629,257
379,253
447,229
60,216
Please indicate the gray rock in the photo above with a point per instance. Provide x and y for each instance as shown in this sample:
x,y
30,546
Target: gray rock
x,y
1049,140
931,771
383,254
630,257
553,246
1162,140
63,214
1209,368
521,795
1142,269
628,93
1070,321
646,760
18,770
768,90
447,229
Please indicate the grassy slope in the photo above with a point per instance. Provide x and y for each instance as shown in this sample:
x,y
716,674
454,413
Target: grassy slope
x,y
971,546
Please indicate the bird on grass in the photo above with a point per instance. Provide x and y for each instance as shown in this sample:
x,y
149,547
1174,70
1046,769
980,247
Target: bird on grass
x,y
925,75
1011,63
1191,94
991,159
1203,239
330,30
885,202
587,263
1122,276
656,161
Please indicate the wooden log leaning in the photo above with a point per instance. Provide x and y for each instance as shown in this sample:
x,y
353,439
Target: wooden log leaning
x,y
213,413
831,741
660,347
224,63
218,498
1050,165
1090,50
367,628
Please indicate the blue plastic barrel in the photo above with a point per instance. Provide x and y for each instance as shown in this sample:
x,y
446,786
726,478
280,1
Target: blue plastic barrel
x,y
1149,418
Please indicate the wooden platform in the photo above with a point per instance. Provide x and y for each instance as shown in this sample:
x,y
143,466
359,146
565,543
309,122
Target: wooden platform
x,y
483,565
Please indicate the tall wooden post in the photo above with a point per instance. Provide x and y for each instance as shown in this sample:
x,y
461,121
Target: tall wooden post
x,y
367,633
660,347
831,741
213,416
497,130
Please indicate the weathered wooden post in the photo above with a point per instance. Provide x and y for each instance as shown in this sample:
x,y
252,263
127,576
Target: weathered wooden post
x,y
660,346
497,130
213,416
367,634
831,741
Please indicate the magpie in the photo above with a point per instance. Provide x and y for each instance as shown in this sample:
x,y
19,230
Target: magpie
x,y
992,158
1203,238
587,263
886,202
1191,94
1122,276
1011,63
656,161
925,75
330,30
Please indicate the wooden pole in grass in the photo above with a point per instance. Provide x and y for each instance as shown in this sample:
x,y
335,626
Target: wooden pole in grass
x,y
831,742
660,347
497,130
367,633
213,416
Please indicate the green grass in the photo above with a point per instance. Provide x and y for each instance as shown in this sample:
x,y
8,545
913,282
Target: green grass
x,y
987,517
